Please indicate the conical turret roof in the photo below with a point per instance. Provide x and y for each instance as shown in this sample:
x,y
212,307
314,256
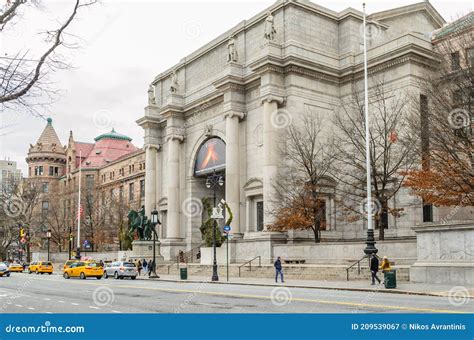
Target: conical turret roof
x,y
49,136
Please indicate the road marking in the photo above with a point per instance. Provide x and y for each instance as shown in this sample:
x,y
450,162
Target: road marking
x,y
265,297
268,297
61,301
74,304
94,307
49,312
31,308
116,311
46,299
19,305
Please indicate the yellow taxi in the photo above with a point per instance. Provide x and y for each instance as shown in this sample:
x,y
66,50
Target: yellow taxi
x,y
41,267
83,270
15,267
68,264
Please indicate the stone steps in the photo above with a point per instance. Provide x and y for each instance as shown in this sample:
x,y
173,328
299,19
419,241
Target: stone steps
x,y
295,272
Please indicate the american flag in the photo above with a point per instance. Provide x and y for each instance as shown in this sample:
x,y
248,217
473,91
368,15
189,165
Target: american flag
x,y
79,212
393,136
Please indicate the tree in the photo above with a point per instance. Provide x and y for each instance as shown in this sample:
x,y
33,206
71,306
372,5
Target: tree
x,y
444,122
390,147
207,227
301,187
24,73
58,221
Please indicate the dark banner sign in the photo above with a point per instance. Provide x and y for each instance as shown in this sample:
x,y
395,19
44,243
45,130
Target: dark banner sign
x,y
210,157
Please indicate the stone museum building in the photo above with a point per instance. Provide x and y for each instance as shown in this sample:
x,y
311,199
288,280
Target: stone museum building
x,y
224,108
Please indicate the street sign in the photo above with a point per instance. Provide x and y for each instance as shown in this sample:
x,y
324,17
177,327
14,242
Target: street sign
x,y
227,228
217,213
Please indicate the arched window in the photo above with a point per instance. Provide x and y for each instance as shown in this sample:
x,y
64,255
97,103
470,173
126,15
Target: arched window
x,y
210,157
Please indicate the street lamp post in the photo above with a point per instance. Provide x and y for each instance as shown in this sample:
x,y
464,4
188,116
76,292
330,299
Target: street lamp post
x,y
213,181
154,222
48,236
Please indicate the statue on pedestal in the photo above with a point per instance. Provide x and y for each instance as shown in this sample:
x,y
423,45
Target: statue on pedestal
x,y
269,28
137,221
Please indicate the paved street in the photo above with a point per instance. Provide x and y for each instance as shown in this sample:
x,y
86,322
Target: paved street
x,y
24,293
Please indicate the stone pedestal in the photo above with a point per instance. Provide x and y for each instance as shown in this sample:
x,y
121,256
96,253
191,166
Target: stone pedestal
x,y
207,255
445,253
144,250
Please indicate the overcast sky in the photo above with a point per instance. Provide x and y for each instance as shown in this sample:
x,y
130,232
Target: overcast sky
x,y
124,45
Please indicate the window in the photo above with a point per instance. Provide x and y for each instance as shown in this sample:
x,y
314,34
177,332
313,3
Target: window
x,y
45,206
131,190
39,170
51,171
45,187
89,181
321,206
142,188
427,212
56,171
455,62
259,214
470,57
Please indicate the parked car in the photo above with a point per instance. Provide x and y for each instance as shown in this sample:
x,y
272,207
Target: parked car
x,y
4,271
41,267
121,269
84,269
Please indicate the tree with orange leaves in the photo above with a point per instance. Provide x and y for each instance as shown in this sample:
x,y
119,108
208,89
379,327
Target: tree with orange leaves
x,y
301,185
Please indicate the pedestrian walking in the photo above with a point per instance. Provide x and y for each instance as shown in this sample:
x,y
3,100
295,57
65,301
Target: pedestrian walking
x,y
151,267
139,266
374,268
145,267
278,269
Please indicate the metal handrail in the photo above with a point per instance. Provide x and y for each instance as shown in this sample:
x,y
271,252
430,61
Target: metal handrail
x,y
358,265
250,263
352,265
186,255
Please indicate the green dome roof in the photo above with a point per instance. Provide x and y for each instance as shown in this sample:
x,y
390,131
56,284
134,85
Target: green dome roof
x,y
112,135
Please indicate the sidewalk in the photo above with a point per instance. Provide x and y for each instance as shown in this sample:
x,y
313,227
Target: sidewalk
x,y
358,286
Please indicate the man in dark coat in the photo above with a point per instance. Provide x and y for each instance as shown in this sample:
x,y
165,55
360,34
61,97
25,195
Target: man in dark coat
x,y
374,268
278,269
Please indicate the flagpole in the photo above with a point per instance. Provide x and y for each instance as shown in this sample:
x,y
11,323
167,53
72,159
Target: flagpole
x,y
78,252
370,249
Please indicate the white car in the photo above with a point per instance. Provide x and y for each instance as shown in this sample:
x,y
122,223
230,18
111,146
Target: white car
x,y
4,271
121,269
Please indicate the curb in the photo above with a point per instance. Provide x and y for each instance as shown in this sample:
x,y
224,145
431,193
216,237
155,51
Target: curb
x,y
390,291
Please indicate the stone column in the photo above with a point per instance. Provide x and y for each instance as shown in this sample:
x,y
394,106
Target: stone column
x,y
173,226
270,156
232,173
150,179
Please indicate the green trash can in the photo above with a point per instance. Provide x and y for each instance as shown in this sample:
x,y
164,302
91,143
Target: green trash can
x,y
390,279
183,273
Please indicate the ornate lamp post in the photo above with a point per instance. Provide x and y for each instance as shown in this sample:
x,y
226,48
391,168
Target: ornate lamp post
x,y
213,181
154,222
48,236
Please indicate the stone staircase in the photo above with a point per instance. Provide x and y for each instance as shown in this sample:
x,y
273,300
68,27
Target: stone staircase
x,y
319,272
